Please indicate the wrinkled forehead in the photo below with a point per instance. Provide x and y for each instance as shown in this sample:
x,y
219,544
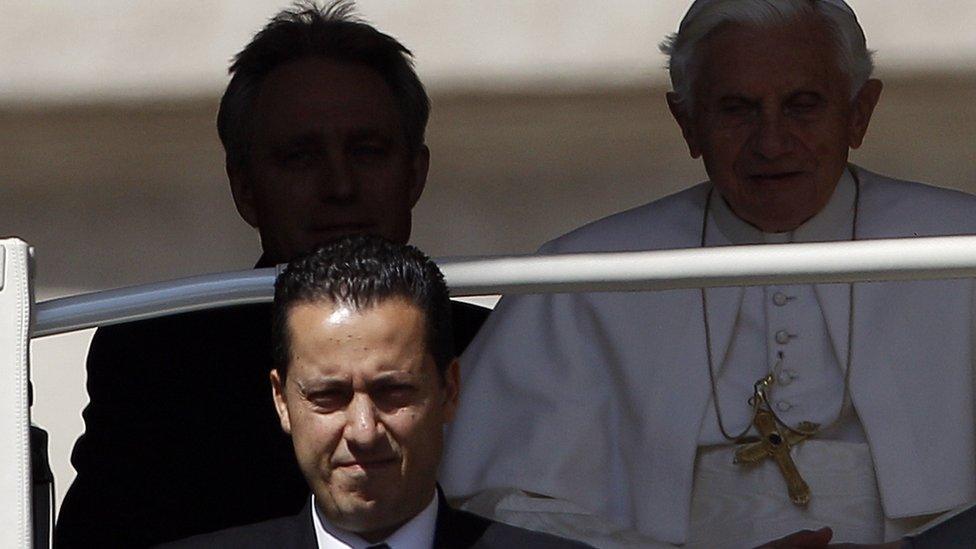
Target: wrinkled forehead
x,y
699,7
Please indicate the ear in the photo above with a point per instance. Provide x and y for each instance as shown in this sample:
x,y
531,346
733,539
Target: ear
x,y
243,191
861,111
452,389
420,165
683,118
280,401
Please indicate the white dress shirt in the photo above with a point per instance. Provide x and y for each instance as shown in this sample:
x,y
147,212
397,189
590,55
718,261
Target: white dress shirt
x,y
417,533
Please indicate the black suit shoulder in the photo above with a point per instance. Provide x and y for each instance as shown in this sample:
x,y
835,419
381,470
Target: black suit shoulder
x,y
294,532
466,320
181,436
455,530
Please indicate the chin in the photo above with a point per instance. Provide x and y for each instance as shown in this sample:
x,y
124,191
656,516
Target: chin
x,y
360,516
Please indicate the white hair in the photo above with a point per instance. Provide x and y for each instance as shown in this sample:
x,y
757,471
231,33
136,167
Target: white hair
x,y
705,16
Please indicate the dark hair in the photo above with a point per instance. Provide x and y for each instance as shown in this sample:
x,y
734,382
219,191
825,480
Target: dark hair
x,y
361,271
332,32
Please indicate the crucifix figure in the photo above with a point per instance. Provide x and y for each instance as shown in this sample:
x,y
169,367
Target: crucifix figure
x,y
775,442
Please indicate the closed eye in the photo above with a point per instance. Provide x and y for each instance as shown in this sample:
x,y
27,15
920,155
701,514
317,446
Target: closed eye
x,y
804,103
737,107
330,399
297,158
394,395
369,151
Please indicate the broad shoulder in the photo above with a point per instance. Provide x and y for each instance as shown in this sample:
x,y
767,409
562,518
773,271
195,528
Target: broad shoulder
x,y
670,222
283,533
196,324
169,355
899,208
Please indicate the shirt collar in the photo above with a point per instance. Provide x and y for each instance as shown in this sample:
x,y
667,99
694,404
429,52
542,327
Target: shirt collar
x,y
417,533
833,222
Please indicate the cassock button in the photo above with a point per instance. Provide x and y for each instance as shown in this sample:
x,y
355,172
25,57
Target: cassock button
x,y
783,337
783,406
780,299
786,377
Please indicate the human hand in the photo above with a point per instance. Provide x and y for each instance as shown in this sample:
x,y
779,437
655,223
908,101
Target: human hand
x,y
804,539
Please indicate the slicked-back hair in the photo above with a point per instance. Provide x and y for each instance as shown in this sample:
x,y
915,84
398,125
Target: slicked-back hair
x,y
704,17
360,272
331,32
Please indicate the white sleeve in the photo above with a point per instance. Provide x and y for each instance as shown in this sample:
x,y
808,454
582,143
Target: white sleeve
x,y
558,517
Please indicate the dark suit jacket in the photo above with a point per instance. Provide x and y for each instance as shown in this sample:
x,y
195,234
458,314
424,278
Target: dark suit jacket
x,y
455,530
181,433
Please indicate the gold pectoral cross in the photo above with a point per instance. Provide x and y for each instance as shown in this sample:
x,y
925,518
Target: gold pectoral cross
x,y
776,443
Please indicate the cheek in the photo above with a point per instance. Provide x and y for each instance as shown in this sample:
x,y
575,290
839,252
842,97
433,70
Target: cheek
x,y
419,431
314,435
827,139
723,148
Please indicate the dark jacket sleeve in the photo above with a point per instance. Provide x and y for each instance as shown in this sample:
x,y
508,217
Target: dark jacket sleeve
x,y
466,319
181,436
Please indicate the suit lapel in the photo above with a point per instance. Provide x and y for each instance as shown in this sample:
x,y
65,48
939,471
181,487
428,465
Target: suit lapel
x,y
456,529
304,529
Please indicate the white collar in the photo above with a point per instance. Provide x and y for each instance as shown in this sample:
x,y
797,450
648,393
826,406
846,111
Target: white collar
x,y
834,222
831,223
417,533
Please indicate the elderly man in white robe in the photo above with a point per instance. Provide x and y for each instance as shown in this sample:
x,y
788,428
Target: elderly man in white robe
x,y
616,417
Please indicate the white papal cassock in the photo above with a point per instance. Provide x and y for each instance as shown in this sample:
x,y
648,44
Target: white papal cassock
x,y
602,401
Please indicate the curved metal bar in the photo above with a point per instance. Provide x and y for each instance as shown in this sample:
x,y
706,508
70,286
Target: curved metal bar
x,y
107,307
827,262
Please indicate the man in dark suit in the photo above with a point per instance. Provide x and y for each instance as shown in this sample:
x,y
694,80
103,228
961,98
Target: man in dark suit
x,y
365,379
323,126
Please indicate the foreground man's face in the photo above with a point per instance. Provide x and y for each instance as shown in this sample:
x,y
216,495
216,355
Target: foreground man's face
x,y
365,408
328,158
773,121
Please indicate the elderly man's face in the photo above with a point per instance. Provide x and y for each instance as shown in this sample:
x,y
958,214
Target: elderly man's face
x,y
773,120
365,407
328,158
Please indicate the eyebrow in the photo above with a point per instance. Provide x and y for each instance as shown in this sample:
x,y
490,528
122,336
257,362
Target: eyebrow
x,y
398,376
801,93
321,384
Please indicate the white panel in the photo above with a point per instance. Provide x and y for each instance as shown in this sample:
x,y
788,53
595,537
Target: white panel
x,y
15,303
116,49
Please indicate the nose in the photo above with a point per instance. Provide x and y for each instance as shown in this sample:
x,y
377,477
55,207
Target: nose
x,y
338,182
772,138
363,428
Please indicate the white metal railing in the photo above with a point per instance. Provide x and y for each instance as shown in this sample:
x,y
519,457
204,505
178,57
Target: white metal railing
x,y
861,261
15,473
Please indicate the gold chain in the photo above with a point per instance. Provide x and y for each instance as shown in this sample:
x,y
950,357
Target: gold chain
x,y
761,387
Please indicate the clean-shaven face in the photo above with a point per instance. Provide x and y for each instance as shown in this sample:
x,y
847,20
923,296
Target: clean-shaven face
x,y
328,158
365,407
773,120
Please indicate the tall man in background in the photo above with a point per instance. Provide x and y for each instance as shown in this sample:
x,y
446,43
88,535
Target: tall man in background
x,y
615,417
323,126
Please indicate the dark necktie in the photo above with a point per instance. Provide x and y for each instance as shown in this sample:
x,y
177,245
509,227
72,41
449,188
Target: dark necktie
x,y
379,546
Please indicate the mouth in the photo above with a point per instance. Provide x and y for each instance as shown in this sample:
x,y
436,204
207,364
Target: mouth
x,y
341,229
775,177
368,464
